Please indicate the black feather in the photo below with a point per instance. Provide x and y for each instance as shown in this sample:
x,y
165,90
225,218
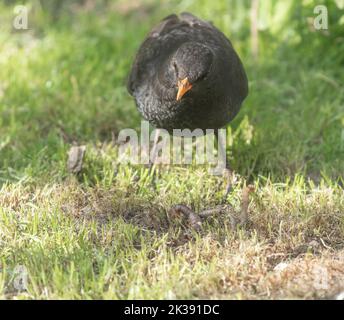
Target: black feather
x,y
187,46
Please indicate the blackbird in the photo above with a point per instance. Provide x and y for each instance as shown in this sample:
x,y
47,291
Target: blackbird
x,y
187,75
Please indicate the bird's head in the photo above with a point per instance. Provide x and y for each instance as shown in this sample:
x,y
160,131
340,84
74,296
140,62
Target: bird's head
x,y
191,63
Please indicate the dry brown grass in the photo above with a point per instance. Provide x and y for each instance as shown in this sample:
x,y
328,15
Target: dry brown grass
x,y
292,247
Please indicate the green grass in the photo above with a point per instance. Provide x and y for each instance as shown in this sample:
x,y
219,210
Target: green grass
x,y
106,233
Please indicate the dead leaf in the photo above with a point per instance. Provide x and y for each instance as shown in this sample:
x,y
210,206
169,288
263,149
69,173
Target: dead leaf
x,y
75,158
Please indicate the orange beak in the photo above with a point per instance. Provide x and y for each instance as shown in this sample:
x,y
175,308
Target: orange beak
x,y
183,87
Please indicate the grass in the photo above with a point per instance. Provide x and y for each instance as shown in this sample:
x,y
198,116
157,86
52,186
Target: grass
x,y
106,233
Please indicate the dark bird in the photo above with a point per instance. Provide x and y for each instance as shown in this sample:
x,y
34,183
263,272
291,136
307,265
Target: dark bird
x,y
187,75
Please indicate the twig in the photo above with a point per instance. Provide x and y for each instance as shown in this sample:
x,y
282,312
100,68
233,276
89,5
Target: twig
x,y
325,245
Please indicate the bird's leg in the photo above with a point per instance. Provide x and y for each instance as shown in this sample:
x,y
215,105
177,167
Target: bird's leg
x,y
228,172
153,154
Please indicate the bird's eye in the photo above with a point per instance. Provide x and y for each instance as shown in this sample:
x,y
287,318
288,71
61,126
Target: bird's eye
x,y
175,67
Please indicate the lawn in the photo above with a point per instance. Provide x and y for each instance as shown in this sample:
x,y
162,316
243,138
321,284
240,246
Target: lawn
x,y
106,233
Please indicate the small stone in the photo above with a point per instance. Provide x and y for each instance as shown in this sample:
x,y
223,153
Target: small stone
x,y
340,296
170,295
281,266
